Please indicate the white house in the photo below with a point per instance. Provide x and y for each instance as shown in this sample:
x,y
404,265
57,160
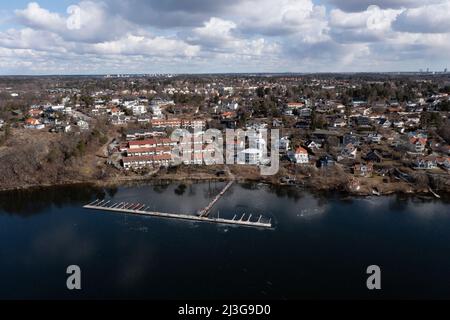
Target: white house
x,y
348,152
299,156
375,137
250,156
313,145
156,111
139,109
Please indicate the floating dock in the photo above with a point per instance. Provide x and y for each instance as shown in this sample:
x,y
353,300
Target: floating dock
x,y
141,209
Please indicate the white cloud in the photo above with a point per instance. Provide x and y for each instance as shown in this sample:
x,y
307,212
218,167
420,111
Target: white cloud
x,y
96,23
229,35
141,45
34,16
425,19
373,24
361,5
281,18
219,36
28,38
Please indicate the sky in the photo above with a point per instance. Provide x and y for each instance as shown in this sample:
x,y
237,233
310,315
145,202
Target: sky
x,y
222,36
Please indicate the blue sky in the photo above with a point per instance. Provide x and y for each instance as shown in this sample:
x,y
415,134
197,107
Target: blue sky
x,y
198,36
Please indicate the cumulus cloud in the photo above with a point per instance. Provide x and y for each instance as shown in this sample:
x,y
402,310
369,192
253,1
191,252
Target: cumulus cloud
x,y
283,18
96,22
218,35
426,19
141,45
361,5
228,36
170,13
373,24
34,16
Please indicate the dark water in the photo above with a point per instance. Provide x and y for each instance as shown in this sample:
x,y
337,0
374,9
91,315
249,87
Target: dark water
x,y
320,247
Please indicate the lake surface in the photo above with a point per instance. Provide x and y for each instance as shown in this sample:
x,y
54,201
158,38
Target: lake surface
x,y
320,246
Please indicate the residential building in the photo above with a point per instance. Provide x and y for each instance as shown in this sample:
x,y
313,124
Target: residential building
x,y
363,170
300,156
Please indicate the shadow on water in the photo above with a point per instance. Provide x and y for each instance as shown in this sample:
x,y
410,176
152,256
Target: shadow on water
x,y
181,189
34,201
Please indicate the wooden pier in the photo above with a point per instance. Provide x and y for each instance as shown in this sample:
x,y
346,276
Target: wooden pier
x,y
141,209
205,211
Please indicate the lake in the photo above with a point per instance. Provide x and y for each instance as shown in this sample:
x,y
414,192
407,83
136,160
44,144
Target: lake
x,y
320,246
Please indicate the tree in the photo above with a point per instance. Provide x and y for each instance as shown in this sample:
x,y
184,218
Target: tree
x,y
260,92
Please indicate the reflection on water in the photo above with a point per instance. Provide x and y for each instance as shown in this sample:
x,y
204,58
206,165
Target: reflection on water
x,y
319,248
34,201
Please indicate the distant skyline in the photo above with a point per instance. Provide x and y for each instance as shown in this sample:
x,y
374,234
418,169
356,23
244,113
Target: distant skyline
x,y
223,36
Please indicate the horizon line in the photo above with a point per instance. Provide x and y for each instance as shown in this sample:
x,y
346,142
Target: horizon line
x,y
113,74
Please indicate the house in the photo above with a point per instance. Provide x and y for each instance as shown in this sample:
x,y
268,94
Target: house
x,y
142,134
193,124
305,112
425,163
313,145
339,123
169,123
291,107
139,162
350,138
139,109
277,123
116,112
32,123
300,156
120,120
374,137
2,123
444,162
363,170
399,124
362,121
348,152
151,143
417,144
256,125
156,111
35,113
373,156
384,123
325,162
228,115
303,123
250,156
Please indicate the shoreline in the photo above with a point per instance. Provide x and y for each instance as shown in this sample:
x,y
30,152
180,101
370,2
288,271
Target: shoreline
x,y
151,180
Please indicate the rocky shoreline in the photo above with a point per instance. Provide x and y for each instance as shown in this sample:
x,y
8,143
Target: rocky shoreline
x,y
158,180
